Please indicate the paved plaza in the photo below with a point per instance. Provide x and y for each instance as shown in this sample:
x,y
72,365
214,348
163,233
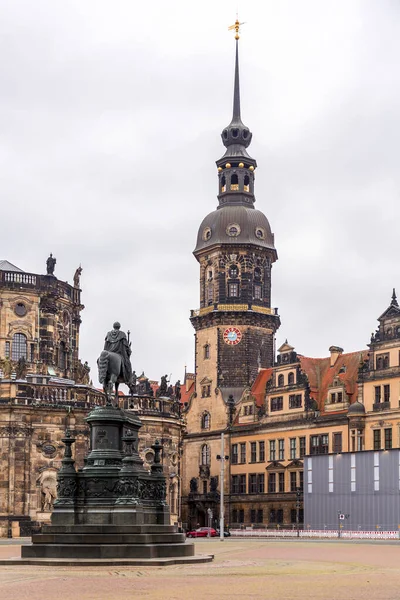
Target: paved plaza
x,y
245,569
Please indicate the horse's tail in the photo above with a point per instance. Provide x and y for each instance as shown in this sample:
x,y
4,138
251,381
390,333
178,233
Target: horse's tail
x,y
102,363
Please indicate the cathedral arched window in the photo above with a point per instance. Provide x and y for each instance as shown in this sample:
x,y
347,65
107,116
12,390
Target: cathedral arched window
x,y
62,356
234,182
257,274
281,380
205,455
19,346
206,351
223,183
205,421
291,379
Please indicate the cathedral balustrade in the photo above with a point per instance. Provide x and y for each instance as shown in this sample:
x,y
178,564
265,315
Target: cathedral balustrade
x,y
12,278
31,394
148,405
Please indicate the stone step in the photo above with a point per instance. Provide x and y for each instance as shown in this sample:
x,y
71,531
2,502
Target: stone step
x,y
108,538
106,551
107,529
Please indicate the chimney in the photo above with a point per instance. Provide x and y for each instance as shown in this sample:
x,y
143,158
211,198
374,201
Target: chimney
x,y
335,351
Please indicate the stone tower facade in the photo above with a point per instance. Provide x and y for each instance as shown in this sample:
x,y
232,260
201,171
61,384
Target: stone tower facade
x,y
235,324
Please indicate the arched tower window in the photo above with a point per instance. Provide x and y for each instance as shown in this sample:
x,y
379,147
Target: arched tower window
x,y
234,183
281,380
205,421
62,356
206,351
19,346
246,187
233,271
205,455
223,183
291,379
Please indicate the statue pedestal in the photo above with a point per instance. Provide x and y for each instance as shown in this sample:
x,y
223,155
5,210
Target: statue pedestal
x,y
113,509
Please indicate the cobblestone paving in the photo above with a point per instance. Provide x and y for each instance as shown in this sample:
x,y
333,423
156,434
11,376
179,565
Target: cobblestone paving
x,y
245,569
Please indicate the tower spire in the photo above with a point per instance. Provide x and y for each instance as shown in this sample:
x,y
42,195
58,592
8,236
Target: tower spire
x,y
394,298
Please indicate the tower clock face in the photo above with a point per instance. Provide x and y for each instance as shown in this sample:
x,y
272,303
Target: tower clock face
x,y
232,336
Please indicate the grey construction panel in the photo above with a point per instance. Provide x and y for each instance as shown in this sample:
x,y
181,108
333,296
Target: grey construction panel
x,y
368,509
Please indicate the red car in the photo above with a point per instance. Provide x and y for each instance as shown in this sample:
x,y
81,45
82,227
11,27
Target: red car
x,y
202,532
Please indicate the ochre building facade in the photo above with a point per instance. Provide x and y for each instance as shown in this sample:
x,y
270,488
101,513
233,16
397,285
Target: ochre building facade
x,y
272,410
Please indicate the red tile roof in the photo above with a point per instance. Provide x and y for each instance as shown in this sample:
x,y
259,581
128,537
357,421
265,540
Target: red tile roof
x,y
321,375
185,394
258,387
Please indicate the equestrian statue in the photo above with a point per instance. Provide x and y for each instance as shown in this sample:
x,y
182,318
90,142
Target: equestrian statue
x,y
114,362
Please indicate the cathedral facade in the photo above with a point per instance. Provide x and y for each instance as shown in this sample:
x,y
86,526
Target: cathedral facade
x,y
45,389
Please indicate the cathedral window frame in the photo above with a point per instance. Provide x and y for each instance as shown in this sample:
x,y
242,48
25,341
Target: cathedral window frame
x,y
233,290
281,380
206,351
291,378
205,455
19,346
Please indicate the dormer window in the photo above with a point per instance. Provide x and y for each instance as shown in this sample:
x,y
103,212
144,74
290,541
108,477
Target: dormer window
x,y
336,397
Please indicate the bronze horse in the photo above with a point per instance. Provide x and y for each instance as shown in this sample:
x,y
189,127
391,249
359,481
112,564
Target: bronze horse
x,y
110,373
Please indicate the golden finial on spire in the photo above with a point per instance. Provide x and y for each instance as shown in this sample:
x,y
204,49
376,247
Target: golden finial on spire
x,y
236,27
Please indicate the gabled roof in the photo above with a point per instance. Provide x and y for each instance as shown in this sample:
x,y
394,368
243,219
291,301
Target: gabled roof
x,y
321,375
393,310
286,347
7,266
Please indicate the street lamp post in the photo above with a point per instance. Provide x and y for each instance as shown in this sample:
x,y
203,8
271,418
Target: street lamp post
x,y
222,458
298,495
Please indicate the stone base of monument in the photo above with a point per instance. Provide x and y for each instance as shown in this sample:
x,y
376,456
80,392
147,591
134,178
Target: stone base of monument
x,y
112,511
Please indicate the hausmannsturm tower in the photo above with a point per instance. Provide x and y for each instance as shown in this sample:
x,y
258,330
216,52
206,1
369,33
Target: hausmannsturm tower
x,y
235,324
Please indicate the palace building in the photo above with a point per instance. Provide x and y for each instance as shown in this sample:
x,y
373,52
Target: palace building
x,y
273,411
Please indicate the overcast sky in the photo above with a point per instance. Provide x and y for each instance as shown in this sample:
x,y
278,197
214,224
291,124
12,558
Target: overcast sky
x,y
110,118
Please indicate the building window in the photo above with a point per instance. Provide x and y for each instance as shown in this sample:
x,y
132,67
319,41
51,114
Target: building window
x,y
281,482
260,515
261,451
253,452
337,443
293,481
252,484
382,361
19,347
260,483
272,450
257,274
281,380
272,515
206,391
319,444
205,421
205,455
233,271
235,486
377,439
276,403
301,486
281,449
233,290
242,484
204,487
292,448
243,453
241,515
207,351
257,292
272,483
253,515
279,515
235,456
248,410
386,393
302,447
32,353
377,394
291,379
388,438
295,401
7,350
